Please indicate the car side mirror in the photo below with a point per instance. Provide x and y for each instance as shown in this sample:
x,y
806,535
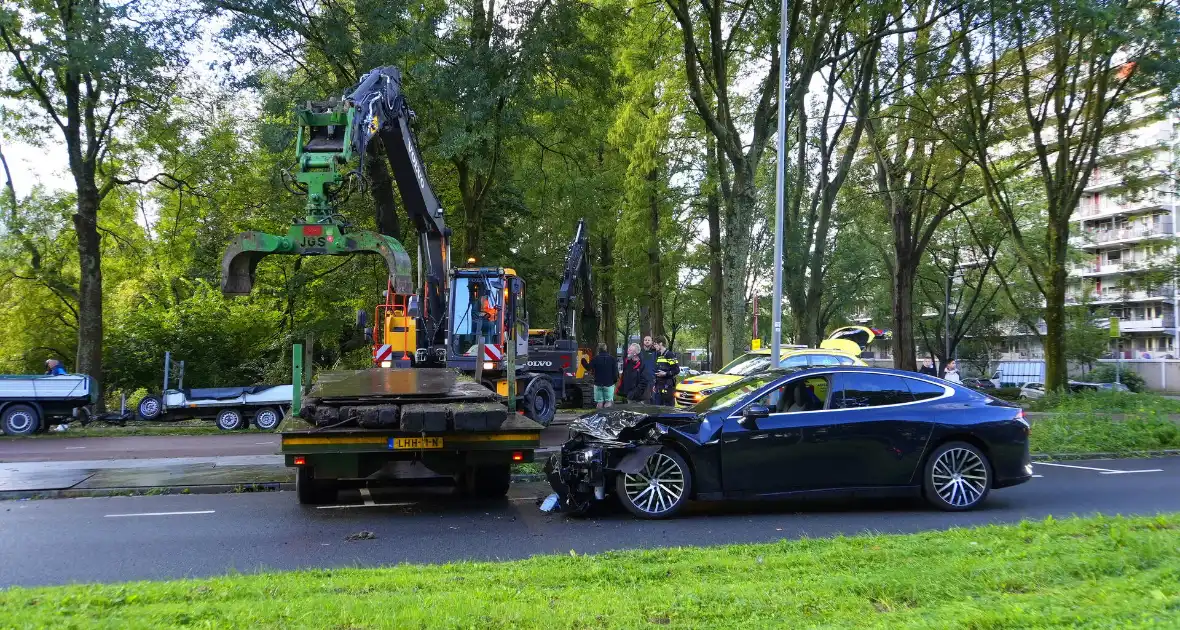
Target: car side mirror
x,y
751,415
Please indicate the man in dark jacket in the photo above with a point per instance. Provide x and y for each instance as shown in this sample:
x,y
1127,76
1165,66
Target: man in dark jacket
x,y
606,373
647,363
928,367
667,367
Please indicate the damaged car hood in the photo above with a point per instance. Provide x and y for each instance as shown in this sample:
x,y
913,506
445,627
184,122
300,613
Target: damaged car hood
x,y
610,424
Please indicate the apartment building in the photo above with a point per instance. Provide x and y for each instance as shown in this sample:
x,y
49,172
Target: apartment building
x,y
1125,227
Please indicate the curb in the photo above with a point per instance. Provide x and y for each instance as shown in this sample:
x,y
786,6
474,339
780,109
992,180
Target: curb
x,y
140,491
1049,457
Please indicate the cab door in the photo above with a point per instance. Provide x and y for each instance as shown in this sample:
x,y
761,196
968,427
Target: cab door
x,y
518,316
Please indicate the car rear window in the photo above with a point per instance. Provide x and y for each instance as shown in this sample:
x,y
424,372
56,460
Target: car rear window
x,y
924,390
857,389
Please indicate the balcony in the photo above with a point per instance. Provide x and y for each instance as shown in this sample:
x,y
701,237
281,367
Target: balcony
x,y
1141,325
1090,209
1095,238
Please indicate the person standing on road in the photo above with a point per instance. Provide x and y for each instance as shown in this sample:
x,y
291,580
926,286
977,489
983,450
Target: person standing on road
x,y
606,373
667,367
952,373
928,367
633,384
647,364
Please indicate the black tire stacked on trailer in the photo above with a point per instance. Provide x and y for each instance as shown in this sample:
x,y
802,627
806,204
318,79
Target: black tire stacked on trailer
x,y
540,401
20,419
312,491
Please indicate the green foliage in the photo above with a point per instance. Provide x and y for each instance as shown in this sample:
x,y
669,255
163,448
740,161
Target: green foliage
x,y
1106,372
1107,403
1098,572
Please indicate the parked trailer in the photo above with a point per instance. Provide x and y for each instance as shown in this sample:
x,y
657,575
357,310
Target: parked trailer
x,y
232,408
30,404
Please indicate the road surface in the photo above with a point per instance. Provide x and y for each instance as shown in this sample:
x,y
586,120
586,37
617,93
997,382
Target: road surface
x,y
133,538
161,446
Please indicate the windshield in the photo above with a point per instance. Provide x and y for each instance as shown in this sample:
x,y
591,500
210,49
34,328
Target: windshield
x,y
476,305
731,394
747,364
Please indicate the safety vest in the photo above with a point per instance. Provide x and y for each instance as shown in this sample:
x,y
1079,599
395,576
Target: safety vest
x,y
665,363
489,310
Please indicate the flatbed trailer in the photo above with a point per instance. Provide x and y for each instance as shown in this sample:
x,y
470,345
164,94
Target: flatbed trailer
x,y
405,427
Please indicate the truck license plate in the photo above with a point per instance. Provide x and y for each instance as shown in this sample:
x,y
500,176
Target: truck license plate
x,y
417,443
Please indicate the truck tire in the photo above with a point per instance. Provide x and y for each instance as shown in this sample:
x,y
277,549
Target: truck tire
x,y
149,407
267,418
21,420
540,401
312,491
488,482
229,420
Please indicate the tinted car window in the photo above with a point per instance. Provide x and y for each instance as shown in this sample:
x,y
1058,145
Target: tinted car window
x,y
806,394
824,359
855,389
731,394
799,360
924,390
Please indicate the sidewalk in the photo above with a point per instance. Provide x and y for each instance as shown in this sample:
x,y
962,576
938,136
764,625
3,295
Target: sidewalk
x,y
124,476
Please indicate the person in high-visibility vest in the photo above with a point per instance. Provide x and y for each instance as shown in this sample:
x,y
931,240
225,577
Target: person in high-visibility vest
x,y
490,315
667,367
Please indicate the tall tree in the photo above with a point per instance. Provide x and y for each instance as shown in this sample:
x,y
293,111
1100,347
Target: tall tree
x,y
89,67
1064,71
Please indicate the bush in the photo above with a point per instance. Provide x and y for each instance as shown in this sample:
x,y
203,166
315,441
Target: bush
x,y
1107,402
1105,374
1089,433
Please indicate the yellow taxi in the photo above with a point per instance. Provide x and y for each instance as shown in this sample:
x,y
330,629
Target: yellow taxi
x,y
842,347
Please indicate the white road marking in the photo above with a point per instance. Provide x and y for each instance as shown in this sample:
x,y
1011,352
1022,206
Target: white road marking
x,y
367,496
1038,476
161,514
1104,471
264,443
75,448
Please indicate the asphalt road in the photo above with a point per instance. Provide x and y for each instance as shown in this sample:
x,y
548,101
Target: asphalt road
x,y
131,538
161,446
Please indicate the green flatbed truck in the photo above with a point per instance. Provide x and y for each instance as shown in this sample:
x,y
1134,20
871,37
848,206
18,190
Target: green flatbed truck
x,y
383,427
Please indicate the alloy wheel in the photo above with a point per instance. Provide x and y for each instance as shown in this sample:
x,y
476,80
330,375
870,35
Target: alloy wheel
x,y
658,487
959,477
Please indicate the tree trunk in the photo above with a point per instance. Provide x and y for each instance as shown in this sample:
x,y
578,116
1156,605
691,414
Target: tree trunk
x,y
716,281
739,217
1056,369
655,280
904,355
89,283
472,213
610,324
384,204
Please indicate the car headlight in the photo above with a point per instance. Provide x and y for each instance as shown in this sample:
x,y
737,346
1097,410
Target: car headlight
x,y
587,455
712,390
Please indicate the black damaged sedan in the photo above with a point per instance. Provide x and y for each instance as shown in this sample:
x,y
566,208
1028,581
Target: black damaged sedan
x,y
832,431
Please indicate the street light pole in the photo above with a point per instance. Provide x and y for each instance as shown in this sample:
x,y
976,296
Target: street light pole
x,y
780,197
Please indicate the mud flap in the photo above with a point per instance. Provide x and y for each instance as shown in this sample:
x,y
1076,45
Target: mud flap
x,y
633,462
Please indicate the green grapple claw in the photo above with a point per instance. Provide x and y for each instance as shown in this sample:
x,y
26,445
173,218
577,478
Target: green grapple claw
x,y
310,239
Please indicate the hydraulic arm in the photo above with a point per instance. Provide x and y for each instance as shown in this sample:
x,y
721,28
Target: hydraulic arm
x,y
372,119
577,269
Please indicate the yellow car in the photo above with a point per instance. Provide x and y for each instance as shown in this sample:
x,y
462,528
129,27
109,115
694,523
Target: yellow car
x,y
842,347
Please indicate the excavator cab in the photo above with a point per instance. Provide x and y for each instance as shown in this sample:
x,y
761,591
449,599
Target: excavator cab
x,y
485,302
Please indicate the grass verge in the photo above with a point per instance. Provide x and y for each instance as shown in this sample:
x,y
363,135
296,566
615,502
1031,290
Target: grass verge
x,y
1079,573
183,427
1107,402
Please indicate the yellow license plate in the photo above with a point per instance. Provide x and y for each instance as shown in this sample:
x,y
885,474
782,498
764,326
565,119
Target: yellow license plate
x,y
417,443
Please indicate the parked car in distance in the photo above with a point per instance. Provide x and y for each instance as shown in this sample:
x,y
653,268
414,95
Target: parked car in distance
x,y
820,431
1032,391
979,383
1079,386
